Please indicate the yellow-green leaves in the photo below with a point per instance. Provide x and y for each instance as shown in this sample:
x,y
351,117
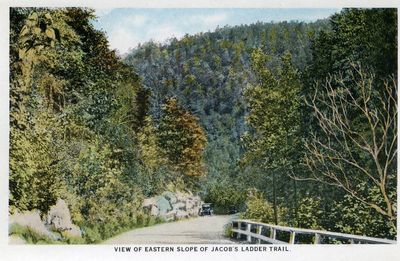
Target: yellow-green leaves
x,y
182,139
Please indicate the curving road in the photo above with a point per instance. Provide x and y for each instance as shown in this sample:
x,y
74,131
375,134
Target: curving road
x,y
200,230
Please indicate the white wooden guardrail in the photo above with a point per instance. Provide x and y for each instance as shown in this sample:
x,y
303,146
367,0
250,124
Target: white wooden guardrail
x,y
255,232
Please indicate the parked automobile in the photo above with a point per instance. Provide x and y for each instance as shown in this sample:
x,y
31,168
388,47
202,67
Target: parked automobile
x,y
233,210
206,209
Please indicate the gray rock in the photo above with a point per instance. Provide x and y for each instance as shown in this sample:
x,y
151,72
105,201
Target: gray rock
x,y
181,214
154,211
181,196
163,205
179,206
31,219
171,206
59,219
74,231
190,204
170,216
170,196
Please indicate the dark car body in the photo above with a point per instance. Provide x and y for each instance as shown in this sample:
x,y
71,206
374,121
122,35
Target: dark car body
x,y
206,209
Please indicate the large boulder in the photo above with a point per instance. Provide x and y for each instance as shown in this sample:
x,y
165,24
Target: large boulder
x,y
180,196
31,220
59,219
154,211
181,214
170,216
163,205
172,205
170,196
179,206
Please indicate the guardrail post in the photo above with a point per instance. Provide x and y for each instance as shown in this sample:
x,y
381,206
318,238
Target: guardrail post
x,y
292,237
238,236
273,233
317,238
259,231
248,230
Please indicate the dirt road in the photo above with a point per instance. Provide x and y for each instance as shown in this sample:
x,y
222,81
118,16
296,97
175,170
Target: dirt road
x,y
200,230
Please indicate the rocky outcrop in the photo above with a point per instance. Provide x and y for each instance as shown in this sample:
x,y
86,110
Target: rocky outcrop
x,y
59,219
31,220
172,205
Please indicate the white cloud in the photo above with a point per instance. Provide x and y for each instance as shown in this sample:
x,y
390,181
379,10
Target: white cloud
x,y
123,39
137,20
209,21
100,12
164,32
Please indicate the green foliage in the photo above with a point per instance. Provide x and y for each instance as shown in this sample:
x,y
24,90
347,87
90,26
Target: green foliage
x,y
274,141
357,218
228,230
258,209
309,213
208,72
368,36
66,87
274,113
182,139
83,128
91,235
225,197
29,235
35,181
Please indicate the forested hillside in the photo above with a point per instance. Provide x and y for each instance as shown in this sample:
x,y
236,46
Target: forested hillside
x,y
290,123
262,139
80,129
208,73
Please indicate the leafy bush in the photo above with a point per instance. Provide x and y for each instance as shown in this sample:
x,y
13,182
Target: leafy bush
x,y
309,213
258,209
225,197
351,216
228,230
91,235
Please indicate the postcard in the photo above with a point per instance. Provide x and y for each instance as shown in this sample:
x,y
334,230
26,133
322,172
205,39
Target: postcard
x,y
203,130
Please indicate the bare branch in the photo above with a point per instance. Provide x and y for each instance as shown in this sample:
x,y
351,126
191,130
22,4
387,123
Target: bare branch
x,y
338,156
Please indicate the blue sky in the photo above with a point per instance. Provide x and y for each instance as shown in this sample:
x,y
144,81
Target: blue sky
x,y
127,27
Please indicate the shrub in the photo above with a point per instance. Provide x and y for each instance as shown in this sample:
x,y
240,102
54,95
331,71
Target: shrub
x,y
309,213
351,216
258,209
224,197
228,230
91,235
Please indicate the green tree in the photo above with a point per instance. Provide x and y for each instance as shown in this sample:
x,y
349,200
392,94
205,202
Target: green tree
x,y
182,139
69,97
274,116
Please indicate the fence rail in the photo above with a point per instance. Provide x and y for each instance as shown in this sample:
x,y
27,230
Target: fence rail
x,y
255,232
